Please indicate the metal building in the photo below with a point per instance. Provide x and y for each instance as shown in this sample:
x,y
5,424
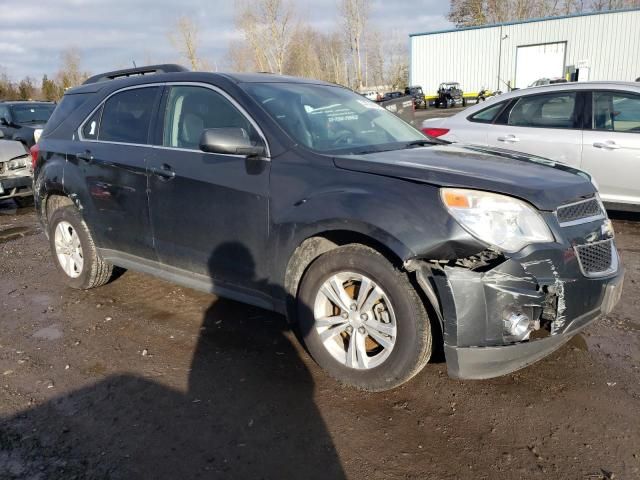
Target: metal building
x,y
592,46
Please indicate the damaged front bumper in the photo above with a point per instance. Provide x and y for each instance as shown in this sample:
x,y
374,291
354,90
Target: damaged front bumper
x,y
546,286
16,186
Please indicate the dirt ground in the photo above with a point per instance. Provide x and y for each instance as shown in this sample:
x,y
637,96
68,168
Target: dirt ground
x,y
144,379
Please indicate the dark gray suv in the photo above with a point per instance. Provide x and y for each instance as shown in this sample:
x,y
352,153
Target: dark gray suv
x,y
380,244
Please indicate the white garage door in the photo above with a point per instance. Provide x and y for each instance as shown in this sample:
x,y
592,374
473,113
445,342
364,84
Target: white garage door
x,y
539,61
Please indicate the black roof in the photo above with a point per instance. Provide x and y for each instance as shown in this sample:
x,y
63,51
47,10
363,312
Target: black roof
x,y
176,73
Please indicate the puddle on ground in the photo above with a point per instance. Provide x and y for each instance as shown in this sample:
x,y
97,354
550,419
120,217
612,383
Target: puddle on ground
x,y
51,332
12,233
579,342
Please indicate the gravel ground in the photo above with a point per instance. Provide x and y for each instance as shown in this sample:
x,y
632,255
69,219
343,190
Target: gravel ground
x,y
144,379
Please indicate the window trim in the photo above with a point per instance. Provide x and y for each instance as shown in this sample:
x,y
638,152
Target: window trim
x,y
154,121
579,104
612,92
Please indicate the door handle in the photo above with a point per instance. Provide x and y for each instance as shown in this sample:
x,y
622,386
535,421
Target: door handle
x,y
165,172
85,156
608,145
508,139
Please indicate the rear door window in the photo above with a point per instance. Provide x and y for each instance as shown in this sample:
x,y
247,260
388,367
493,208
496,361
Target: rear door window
x,y
555,110
616,112
127,115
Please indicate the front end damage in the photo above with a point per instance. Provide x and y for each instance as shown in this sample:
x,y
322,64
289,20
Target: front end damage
x,y
500,314
15,170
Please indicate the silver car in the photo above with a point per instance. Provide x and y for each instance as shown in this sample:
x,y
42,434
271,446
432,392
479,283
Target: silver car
x,y
594,126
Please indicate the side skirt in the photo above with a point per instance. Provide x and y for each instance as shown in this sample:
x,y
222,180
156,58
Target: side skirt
x,y
187,279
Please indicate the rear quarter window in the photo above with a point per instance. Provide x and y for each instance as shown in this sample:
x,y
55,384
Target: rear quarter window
x,y
489,114
68,105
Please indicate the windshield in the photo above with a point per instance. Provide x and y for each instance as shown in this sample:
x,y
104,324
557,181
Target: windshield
x,y
31,113
332,119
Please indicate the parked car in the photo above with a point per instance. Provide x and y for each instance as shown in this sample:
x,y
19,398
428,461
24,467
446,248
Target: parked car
x,y
548,81
15,172
391,96
594,126
418,96
302,197
372,95
450,95
24,120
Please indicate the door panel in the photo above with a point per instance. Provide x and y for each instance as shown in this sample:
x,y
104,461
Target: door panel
x,y
611,150
209,211
546,125
112,157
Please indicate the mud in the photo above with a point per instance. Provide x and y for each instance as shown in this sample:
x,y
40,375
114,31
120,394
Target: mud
x,y
144,379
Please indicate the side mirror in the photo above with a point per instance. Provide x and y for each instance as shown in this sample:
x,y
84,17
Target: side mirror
x,y
230,141
4,122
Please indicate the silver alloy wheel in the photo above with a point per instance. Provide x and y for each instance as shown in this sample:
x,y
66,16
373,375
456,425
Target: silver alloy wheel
x,y
355,320
68,249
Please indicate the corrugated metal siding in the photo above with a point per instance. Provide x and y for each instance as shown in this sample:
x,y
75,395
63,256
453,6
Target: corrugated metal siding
x,y
609,44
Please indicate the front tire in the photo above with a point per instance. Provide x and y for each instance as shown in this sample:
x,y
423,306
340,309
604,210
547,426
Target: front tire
x,y
74,251
362,320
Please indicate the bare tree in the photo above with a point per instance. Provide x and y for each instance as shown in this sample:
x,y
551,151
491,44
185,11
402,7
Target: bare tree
x,y
355,14
70,73
268,27
467,13
185,38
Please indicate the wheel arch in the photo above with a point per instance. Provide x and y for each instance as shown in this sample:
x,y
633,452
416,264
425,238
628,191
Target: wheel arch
x,y
322,242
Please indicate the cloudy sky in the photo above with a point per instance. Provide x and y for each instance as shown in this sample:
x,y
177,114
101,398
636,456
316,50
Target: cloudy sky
x,y
111,34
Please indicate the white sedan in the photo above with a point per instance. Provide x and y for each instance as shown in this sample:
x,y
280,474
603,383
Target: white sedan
x,y
594,126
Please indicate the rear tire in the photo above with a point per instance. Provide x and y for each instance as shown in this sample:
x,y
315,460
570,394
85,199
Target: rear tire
x,y
74,252
381,338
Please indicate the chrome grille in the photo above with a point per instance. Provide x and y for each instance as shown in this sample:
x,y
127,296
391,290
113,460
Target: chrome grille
x,y
597,259
3,167
579,212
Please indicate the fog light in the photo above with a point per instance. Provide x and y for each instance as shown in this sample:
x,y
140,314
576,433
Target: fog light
x,y
517,326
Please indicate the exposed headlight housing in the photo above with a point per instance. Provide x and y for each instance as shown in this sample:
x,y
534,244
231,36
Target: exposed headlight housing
x,y
36,134
504,222
16,164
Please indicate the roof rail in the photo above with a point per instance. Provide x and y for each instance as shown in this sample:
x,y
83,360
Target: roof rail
x,y
130,72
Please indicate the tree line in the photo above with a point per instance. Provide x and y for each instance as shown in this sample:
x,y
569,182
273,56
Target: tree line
x,y
356,53
471,13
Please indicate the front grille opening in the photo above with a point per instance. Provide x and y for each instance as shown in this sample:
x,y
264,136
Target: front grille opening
x,y
575,212
595,258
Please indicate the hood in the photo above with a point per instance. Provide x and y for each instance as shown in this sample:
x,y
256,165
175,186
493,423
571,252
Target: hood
x,y
541,182
11,149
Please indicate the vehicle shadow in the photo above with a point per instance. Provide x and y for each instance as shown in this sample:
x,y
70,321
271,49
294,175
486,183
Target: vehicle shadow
x,y
248,413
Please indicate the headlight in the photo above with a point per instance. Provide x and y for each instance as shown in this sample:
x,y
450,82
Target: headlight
x,y
36,134
16,164
503,222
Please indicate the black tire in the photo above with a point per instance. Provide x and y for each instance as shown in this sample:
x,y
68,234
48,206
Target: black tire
x,y
413,343
95,271
464,102
24,202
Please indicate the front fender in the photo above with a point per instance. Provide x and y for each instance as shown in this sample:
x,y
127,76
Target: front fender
x,y
407,218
